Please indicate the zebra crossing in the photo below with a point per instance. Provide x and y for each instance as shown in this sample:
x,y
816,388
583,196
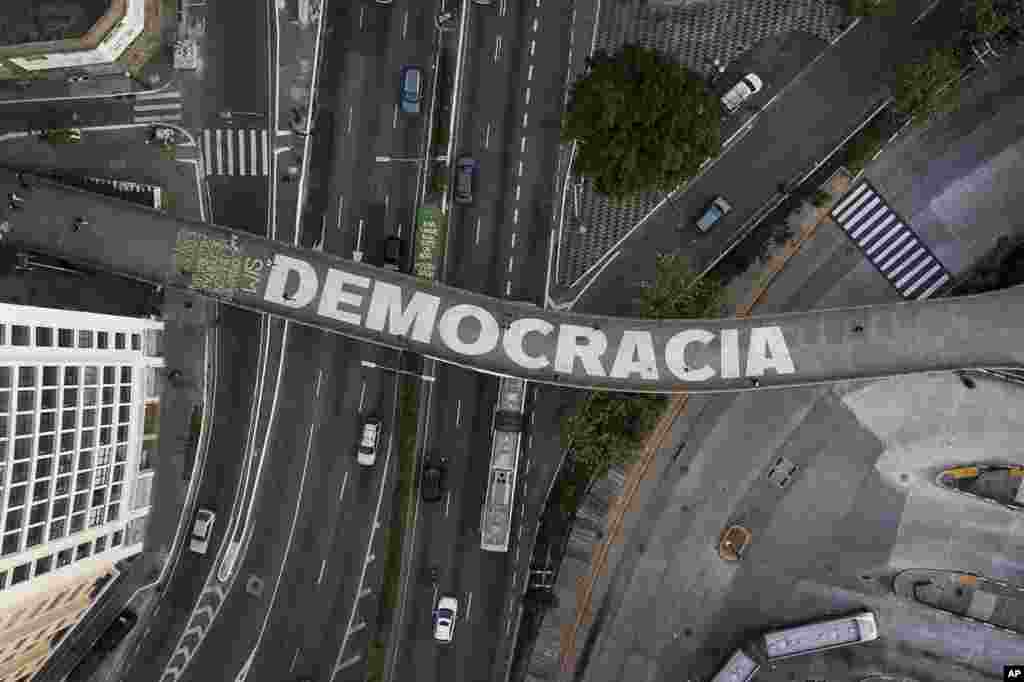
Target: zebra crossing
x,y
156,107
889,244
236,151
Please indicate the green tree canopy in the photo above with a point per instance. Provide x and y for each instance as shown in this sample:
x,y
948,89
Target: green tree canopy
x,y
871,8
677,293
642,122
928,86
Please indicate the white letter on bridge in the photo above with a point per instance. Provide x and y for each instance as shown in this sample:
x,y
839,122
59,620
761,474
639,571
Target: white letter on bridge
x,y
636,354
449,330
284,266
513,342
675,355
386,306
589,353
765,341
334,296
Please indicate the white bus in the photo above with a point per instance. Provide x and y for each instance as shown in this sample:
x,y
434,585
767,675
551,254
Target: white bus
x,y
506,443
814,637
739,668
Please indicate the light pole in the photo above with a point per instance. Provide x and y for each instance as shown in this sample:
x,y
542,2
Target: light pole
x,y
374,365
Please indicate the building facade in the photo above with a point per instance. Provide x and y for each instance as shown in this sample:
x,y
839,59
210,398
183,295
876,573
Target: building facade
x,y
79,417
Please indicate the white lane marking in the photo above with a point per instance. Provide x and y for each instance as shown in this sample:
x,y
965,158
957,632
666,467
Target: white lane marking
x,y
394,118
158,95
348,129
362,13
252,157
387,204
156,107
405,23
536,23
341,204
522,140
206,148
362,395
469,605
477,231
508,288
323,567
294,659
447,502
517,191
265,146
527,95
526,117
514,239
231,152
344,481
529,77
504,7
533,46
529,444
319,378
497,48
515,216
241,152
218,135
154,119
520,169
487,136
510,259
458,412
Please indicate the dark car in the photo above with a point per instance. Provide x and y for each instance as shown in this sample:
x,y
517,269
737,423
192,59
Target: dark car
x,y
393,248
117,631
435,479
411,89
465,178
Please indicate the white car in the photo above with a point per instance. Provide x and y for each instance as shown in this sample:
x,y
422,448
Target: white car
x,y
367,454
748,86
444,618
201,530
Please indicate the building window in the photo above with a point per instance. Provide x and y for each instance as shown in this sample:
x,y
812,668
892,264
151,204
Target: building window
x,y
20,574
108,395
84,338
35,536
107,416
47,422
39,512
57,530
63,485
46,445
22,448
44,467
91,375
5,377
49,401
119,341
44,564
145,459
89,396
80,500
17,497
82,481
14,519
66,338
105,435
60,508
88,418
83,551
26,400
102,476
103,458
126,375
136,342
96,517
77,523
97,498
19,473
20,335
5,402
64,467
118,473
67,419
41,490
115,493
27,377
122,453
12,543
88,438
112,512
84,459
63,558
123,415
101,543
71,375
3,334
3,580
51,375
126,394
44,337
117,539
70,397
67,441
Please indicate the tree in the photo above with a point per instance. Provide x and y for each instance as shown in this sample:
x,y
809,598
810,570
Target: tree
x,y
998,20
677,293
642,122
928,86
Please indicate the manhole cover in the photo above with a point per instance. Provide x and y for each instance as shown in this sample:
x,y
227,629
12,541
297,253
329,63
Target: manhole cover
x,y
254,586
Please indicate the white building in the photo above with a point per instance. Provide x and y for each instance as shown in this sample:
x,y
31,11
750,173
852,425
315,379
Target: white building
x,y
79,416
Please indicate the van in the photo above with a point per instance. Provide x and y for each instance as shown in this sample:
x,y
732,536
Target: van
x,y
411,89
368,441
465,172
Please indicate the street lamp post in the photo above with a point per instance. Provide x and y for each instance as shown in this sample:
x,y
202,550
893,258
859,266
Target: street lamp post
x,y
374,365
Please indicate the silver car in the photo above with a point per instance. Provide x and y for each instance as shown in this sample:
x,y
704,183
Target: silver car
x,y
200,540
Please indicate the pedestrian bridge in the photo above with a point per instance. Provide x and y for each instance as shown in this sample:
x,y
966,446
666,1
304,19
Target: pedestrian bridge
x,y
506,337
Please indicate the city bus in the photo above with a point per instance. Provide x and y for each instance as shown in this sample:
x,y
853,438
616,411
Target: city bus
x,y
506,444
814,637
739,668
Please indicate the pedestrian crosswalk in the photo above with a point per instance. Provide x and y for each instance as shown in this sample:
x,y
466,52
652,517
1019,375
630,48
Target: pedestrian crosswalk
x,y
236,151
890,244
155,107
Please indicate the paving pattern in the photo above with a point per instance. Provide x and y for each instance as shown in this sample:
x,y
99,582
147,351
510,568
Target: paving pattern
x,y
695,36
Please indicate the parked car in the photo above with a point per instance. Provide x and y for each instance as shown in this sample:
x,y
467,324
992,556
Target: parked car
x,y
201,529
435,479
733,542
748,86
117,630
62,135
444,618
367,454
716,210
393,248
465,178
411,89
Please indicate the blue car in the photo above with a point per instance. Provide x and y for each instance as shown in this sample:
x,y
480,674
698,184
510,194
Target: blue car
x,y
411,89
